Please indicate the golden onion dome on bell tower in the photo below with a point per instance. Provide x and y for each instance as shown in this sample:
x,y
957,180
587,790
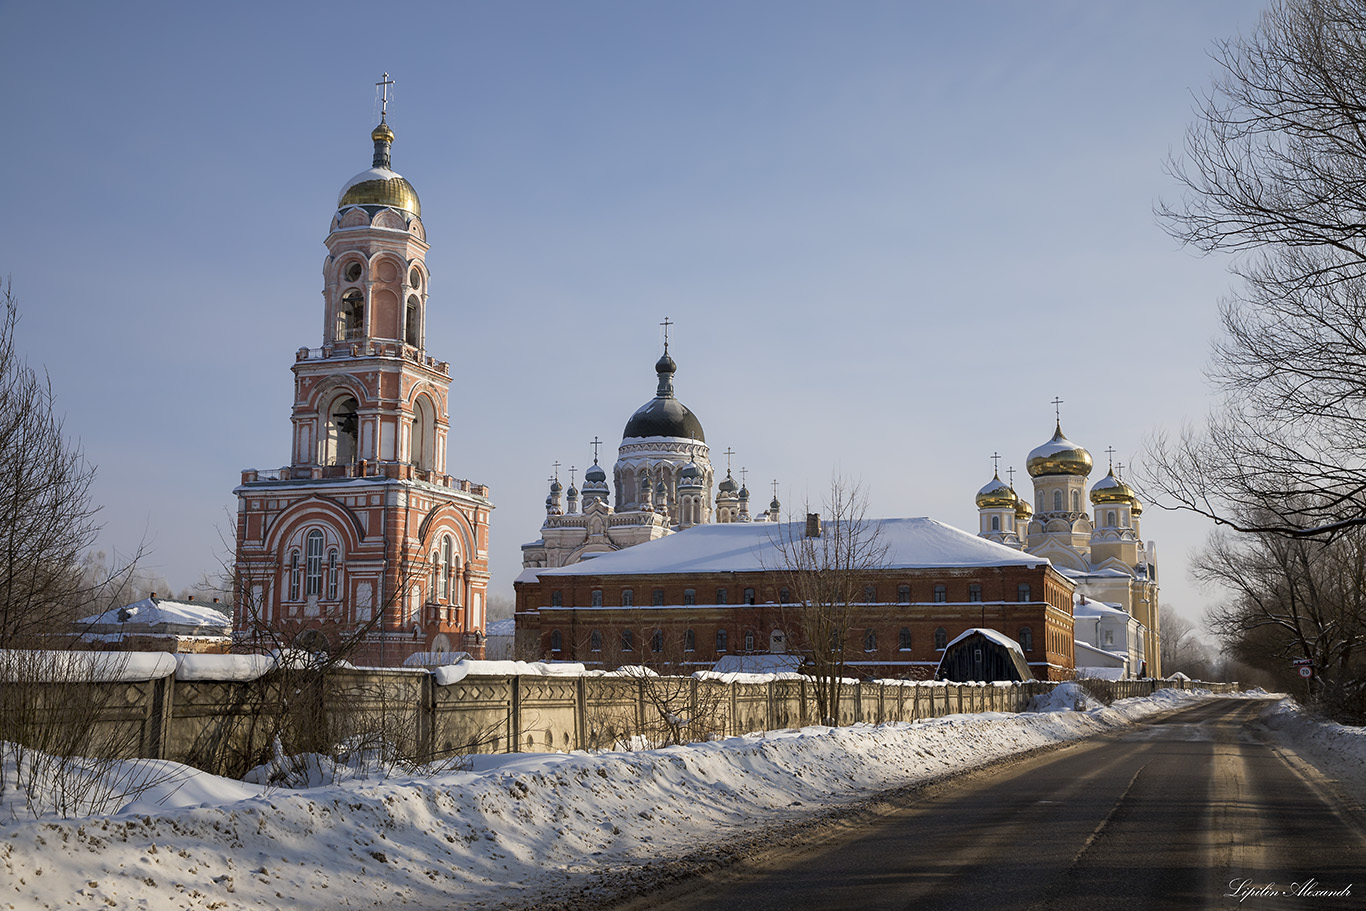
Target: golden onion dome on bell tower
x,y
381,185
1059,456
1111,489
996,495
1023,510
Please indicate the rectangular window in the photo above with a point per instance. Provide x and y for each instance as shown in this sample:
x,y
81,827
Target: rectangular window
x,y
904,639
597,597
941,594
628,640
657,597
689,596
974,592
903,594
720,596
628,597
1024,593
556,599
869,594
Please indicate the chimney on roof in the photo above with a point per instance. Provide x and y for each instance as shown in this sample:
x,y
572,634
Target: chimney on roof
x,y
153,596
813,525
215,600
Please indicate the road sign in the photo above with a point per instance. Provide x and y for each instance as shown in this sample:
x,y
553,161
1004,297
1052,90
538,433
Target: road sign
x,y
1306,671
1299,661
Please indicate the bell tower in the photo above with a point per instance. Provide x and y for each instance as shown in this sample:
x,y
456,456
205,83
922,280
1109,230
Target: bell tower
x,y
364,542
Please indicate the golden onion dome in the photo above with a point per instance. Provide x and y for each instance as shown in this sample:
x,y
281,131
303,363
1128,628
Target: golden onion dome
x,y
1059,456
1023,511
1111,489
381,185
996,495
1137,507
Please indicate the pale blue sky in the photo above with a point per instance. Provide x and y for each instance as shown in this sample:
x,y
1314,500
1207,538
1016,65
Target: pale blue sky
x,y
889,234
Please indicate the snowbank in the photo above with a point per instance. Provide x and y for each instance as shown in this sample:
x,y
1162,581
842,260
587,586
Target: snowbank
x,y
510,828
91,667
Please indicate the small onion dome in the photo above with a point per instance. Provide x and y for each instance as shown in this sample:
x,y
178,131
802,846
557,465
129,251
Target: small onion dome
x,y
573,494
382,133
1059,456
996,495
594,475
549,502
556,486
775,504
1111,489
690,476
728,485
1023,511
1137,509
744,493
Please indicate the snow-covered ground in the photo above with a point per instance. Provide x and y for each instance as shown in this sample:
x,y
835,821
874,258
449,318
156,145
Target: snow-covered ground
x,y
507,831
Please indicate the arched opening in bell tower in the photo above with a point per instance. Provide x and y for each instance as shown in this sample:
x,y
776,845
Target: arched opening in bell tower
x,y
343,424
351,315
412,333
422,446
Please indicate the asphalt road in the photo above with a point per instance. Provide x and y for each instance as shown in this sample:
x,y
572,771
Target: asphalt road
x,y
1192,811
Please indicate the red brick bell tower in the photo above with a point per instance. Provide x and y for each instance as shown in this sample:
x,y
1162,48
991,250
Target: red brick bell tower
x,y
363,544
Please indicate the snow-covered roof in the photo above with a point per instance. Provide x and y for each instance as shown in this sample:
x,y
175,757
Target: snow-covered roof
x,y
1094,655
434,659
160,614
505,627
999,638
757,664
1098,609
918,543
1101,673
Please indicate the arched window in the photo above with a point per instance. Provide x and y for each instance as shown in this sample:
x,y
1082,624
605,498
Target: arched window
x,y
903,594
1076,501
1039,496
294,575
595,641
689,641
1026,639
689,596
1057,501
749,596
447,569
557,598
869,594
596,597
332,573
784,596
720,640
720,596
995,523
351,315
628,597
556,640
870,640
657,641
941,638
412,333
904,639
974,592
422,442
313,564
628,640
434,583
1110,518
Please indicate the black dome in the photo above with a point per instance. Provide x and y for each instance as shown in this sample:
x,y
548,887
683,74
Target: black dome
x,y
664,418
664,415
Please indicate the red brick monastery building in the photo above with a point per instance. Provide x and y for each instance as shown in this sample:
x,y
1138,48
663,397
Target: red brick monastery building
x,y
717,589
363,542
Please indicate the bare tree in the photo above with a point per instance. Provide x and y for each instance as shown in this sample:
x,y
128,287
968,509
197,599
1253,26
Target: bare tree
x,y
47,520
827,562
1274,172
1294,598
1182,648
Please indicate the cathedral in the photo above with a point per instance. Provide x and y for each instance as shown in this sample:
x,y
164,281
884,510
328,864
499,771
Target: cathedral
x,y
363,545
663,477
1114,571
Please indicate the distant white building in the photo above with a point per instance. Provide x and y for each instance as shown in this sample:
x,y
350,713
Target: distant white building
x,y
1107,637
